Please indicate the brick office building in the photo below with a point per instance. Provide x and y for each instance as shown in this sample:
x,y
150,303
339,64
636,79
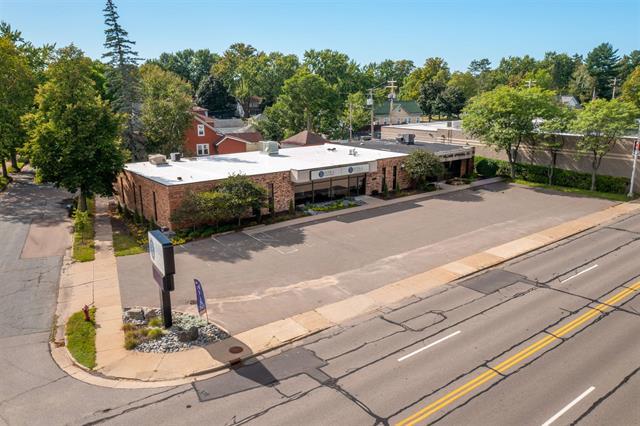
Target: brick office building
x,y
299,175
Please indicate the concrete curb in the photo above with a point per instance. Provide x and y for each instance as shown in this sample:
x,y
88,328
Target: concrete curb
x,y
139,370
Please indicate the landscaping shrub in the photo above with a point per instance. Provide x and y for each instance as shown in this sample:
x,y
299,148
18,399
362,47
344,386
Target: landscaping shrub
x,y
561,177
155,333
487,167
155,322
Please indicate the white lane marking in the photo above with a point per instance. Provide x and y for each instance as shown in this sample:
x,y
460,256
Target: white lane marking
x,y
428,346
568,407
579,273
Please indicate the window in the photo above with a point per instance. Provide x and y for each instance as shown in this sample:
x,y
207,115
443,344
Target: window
x,y
200,129
141,201
155,208
202,149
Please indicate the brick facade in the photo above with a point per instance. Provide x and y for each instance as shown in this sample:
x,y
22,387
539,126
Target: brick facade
x,y
137,194
375,179
156,202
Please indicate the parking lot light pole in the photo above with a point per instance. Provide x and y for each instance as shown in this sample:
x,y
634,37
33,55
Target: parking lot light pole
x,y
636,147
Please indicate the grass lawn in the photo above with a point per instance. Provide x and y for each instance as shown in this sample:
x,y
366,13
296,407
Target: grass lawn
x,y
83,242
3,182
81,338
576,191
124,244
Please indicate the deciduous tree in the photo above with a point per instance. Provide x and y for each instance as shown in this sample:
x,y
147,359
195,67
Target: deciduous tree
x,y
631,88
192,66
307,102
213,95
504,118
423,167
244,195
429,95
166,109
434,69
73,134
16,98
601,123
551,134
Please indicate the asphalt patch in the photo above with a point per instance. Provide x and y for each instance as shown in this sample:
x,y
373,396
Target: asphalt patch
x,y
492,281
267,373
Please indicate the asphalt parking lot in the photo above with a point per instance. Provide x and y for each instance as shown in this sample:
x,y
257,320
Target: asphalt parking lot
x,y
254,278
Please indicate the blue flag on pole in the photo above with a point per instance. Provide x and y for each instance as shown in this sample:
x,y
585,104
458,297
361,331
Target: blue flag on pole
x,y
202,304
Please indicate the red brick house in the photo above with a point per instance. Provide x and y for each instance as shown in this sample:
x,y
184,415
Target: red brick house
x,y
238,142
203,138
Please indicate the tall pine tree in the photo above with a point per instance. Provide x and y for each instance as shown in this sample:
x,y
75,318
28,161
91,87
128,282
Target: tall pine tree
x,y
123,78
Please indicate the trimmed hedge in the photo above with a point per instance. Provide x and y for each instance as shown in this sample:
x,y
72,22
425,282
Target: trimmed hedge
x,y
488,167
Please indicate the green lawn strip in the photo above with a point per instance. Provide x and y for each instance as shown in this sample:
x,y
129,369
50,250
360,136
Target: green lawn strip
x,y
576,191
3,183
81,338
83,242
124,244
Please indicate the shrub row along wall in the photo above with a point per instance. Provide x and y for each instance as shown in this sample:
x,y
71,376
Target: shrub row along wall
x,y
539,174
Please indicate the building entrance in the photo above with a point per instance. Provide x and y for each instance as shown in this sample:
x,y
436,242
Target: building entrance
x,y
319,191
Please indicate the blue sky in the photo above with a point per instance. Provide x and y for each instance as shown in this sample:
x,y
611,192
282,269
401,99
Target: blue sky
x,y
367,30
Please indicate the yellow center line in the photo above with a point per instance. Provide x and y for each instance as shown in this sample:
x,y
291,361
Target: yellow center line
x,y
517,358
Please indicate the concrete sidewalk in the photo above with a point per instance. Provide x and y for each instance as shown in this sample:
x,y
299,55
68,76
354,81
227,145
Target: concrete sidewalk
x,y
116,367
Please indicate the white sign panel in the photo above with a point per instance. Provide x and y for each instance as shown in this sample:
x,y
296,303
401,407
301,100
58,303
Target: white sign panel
x,y
339,171
157,253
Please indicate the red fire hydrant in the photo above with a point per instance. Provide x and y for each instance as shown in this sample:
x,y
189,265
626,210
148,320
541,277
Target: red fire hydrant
x,y
85,310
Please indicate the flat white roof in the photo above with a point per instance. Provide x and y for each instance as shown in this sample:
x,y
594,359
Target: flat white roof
x,y
216,167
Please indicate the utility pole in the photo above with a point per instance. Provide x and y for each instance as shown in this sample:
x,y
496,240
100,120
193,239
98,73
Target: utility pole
x,y
350,121
613,93
391,84
530,83
636,147
370,103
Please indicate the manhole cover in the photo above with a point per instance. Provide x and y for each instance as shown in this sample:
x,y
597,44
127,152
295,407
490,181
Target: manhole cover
x,y
235,349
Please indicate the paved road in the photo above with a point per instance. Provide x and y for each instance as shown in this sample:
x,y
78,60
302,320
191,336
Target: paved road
x,y
516,345
521,344
33,390
254,279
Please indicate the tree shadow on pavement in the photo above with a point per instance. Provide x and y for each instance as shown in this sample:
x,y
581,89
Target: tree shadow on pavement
x,y
237,246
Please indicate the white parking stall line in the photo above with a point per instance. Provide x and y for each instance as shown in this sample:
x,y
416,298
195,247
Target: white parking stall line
x,y
568,407
428,346
579,273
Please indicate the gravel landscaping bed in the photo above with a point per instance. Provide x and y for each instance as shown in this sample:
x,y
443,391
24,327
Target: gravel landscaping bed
x,y
144,331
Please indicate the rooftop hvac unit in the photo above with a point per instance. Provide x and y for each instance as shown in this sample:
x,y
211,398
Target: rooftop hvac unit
x,y
157,159
269,147
175,156
406,138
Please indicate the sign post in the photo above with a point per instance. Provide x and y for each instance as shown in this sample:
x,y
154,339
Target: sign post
x,y
200,300
163,268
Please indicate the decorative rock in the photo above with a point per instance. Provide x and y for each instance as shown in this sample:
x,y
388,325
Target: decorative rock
x,y
136,314
188,331
151,313
188,335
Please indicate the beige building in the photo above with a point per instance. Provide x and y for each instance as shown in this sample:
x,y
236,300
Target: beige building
x,y
618,162
403,112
